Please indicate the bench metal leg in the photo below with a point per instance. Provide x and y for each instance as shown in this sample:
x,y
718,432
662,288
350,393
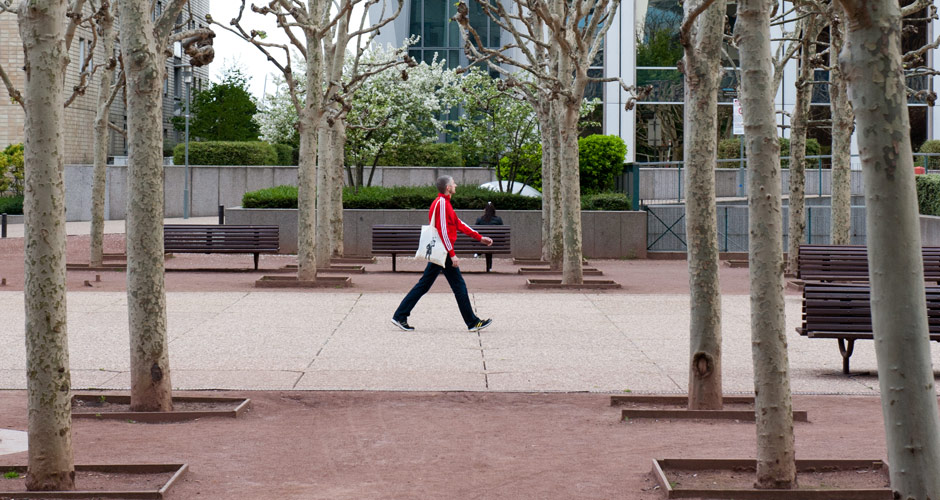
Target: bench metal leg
x,y
846,352
393,263
256,262
489,262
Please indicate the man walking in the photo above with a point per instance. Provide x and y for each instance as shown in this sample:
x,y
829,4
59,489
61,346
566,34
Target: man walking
x,y
447,224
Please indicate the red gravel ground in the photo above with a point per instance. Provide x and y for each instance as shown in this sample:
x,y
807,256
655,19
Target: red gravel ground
x,y
390,445
355,445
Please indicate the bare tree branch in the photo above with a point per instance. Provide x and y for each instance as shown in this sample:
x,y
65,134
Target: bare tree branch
x,y
14,94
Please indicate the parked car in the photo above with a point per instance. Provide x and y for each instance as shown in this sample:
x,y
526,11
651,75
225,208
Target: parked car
x,y
517,188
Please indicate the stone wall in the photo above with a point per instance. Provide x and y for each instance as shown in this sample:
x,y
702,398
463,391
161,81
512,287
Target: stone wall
x,y
606,235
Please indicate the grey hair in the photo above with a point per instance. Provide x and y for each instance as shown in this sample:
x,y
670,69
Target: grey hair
x,y
442,183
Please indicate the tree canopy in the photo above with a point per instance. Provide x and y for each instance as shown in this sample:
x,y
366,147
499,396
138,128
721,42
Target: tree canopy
x,y
224,111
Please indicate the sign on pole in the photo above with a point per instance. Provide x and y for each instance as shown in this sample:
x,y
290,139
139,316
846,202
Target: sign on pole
x,y
738,120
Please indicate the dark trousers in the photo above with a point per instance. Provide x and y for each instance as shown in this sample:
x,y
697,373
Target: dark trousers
x,y
454,278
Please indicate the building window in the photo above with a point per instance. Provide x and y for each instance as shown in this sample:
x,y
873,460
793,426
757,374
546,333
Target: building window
x,y
177,81
440,37
82,48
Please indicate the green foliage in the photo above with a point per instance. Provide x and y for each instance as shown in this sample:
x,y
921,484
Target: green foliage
x,y
495,123
662,49
601,159
226,153
423,155
467,197
525,167
605,201
11,169
931,146
729,148
12,205
285,154
11,474
224,111
273,197
928,194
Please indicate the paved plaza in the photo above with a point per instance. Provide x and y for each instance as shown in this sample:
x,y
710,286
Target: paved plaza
x,y
263,340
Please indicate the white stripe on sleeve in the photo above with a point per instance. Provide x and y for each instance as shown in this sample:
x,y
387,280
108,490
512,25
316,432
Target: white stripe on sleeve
x,y
443,218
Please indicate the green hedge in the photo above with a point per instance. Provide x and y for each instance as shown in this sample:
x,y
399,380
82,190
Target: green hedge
x,y
226,153
285,154
928,194
12,205
470,198
931,146
605,201
424,155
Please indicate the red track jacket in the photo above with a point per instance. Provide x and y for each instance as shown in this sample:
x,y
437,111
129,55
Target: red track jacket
x,y
447,223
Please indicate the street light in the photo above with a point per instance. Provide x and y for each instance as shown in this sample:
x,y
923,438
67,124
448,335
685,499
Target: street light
x,y
187,75
188,80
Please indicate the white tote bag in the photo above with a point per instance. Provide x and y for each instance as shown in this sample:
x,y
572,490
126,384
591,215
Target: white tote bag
x,y
430,246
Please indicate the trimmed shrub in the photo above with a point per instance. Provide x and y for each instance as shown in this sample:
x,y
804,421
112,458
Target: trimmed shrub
x,y
931,146
600,159
226,153
467,198
273,197
928,194
11,169
285,154
12,205
424,155
605,201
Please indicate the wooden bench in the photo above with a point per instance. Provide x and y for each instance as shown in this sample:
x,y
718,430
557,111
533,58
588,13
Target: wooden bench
x,y
185,238
850,263
842,311
400,239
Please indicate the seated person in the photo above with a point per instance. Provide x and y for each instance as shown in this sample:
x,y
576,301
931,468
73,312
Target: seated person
x,y
489,216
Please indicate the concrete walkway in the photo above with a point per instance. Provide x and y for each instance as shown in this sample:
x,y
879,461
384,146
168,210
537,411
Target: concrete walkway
x,y
538,342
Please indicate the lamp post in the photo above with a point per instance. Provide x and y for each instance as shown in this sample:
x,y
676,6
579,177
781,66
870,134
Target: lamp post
x,y
187,80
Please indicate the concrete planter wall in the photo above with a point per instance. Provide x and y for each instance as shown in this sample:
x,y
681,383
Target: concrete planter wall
x,y
606,235
930,230
212,186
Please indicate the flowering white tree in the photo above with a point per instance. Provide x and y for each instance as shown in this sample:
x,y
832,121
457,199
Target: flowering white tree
x,y
320,32
393,109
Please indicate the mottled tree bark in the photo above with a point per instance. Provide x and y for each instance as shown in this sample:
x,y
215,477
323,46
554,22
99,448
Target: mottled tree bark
x,y
48,382
842,119
871,63
798,124
572,271
324,193
701,68
338,145
102,136
309,118
146,294
776,467
556,239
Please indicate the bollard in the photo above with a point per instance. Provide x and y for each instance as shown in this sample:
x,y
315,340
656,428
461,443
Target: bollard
x,y
97,278
3,282
3,225
221,215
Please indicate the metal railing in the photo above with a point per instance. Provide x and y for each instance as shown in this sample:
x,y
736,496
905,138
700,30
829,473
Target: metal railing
x,y
670,189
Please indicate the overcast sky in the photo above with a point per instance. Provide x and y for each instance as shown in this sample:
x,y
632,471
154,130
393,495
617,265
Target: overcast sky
x,y
230,49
